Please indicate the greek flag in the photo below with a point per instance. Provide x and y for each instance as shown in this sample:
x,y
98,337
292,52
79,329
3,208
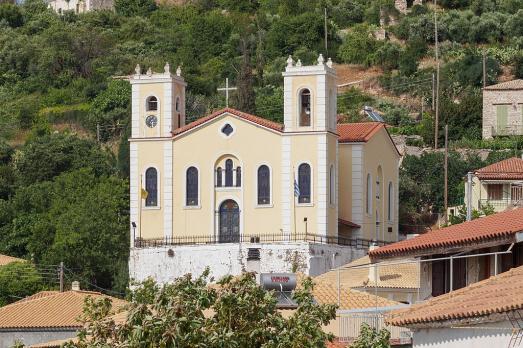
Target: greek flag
x,y
296,189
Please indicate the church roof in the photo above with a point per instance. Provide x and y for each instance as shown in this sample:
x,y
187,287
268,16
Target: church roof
x,y
358,132
243,115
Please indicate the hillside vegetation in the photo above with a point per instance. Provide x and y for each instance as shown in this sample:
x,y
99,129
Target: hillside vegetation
x,y
64,196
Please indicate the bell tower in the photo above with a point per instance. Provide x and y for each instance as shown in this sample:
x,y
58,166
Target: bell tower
x,y
158,102
309,96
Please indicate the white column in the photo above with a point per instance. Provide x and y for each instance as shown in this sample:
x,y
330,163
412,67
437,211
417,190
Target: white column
x,y
134,190
321,181
287,185
358,177
167,107
135,115
168,189
288,117
320,110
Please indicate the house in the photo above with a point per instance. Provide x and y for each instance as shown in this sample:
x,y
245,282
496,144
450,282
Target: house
x,y
396,281
80,6
503,109
237,192
484,314
45,316
499,185
462,254
5,260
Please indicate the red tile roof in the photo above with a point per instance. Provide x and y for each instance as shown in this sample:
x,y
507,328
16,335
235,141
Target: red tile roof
x,y
504,86
49,309
358,132
501,226
243,115
348,223
498,294
509,169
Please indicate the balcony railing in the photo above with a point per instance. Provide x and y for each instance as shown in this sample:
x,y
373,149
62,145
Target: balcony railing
x,y
507,130
500,203
358,243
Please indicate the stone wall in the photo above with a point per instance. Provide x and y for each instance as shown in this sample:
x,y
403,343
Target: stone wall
x,y
514,100
164,264
30,337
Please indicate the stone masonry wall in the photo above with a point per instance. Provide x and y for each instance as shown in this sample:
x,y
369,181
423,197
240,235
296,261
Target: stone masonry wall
x,y
514,99
224,259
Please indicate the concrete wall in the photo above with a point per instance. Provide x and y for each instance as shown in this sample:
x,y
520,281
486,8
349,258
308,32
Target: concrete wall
x,y
514,101
485,335
8,338
224,259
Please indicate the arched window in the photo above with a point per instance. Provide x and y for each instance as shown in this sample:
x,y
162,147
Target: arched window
x,y
378,188
304,183
151,104
264,185
238,176
151,186
369,194
219,177
332,185
191,187
228,173
390,205
305,108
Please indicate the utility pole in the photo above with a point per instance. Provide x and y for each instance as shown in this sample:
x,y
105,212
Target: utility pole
x,y
469,196
484,69
61,276
98,132
433,91
446,174
436,118
326,48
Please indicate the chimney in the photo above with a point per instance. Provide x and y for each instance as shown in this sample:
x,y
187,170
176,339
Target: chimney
x,y
373,270
75,286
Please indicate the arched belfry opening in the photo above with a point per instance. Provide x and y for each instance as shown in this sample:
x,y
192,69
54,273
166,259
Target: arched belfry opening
x,y
305,108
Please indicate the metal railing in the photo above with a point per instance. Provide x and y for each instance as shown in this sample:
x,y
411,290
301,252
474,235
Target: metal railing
x,y
350,325
358,243
507,130
500,203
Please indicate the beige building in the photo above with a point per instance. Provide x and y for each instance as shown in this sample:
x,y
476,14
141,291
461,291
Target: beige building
x,y
251,194
499,185
503,109
80,6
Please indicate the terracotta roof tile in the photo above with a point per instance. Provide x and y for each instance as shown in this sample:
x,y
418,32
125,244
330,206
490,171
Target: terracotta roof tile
x,y
49,310
498,294
497,226
509,85
509,169
325,291
402,276
55,343
243,115
358,132
4,260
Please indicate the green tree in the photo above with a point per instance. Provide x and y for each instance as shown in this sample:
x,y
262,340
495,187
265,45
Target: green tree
x,y
189,313
358,46
11,14
131,8
18,280
372,338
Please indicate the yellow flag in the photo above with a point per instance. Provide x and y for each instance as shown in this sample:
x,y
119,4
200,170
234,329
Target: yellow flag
x,y
144,193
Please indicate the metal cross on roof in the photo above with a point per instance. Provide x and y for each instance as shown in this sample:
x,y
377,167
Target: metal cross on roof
x,y
227,89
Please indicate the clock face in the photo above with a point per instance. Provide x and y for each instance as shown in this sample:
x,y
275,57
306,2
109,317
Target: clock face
x,y
151,121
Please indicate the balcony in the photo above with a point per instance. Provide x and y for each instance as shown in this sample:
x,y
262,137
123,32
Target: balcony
x,y
500,204
507,130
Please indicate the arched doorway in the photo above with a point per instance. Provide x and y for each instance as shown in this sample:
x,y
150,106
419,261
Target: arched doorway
x,y
229,222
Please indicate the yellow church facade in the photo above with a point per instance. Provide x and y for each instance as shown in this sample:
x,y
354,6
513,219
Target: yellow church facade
x,y
231,183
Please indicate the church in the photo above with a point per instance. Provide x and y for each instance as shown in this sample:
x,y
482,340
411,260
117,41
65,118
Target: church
x,y
236,192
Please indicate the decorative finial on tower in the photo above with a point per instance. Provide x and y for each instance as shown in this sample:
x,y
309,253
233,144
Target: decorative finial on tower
x,y
179,71
167,68
320,59
298,63
290,62
329,63
138,70
149,72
